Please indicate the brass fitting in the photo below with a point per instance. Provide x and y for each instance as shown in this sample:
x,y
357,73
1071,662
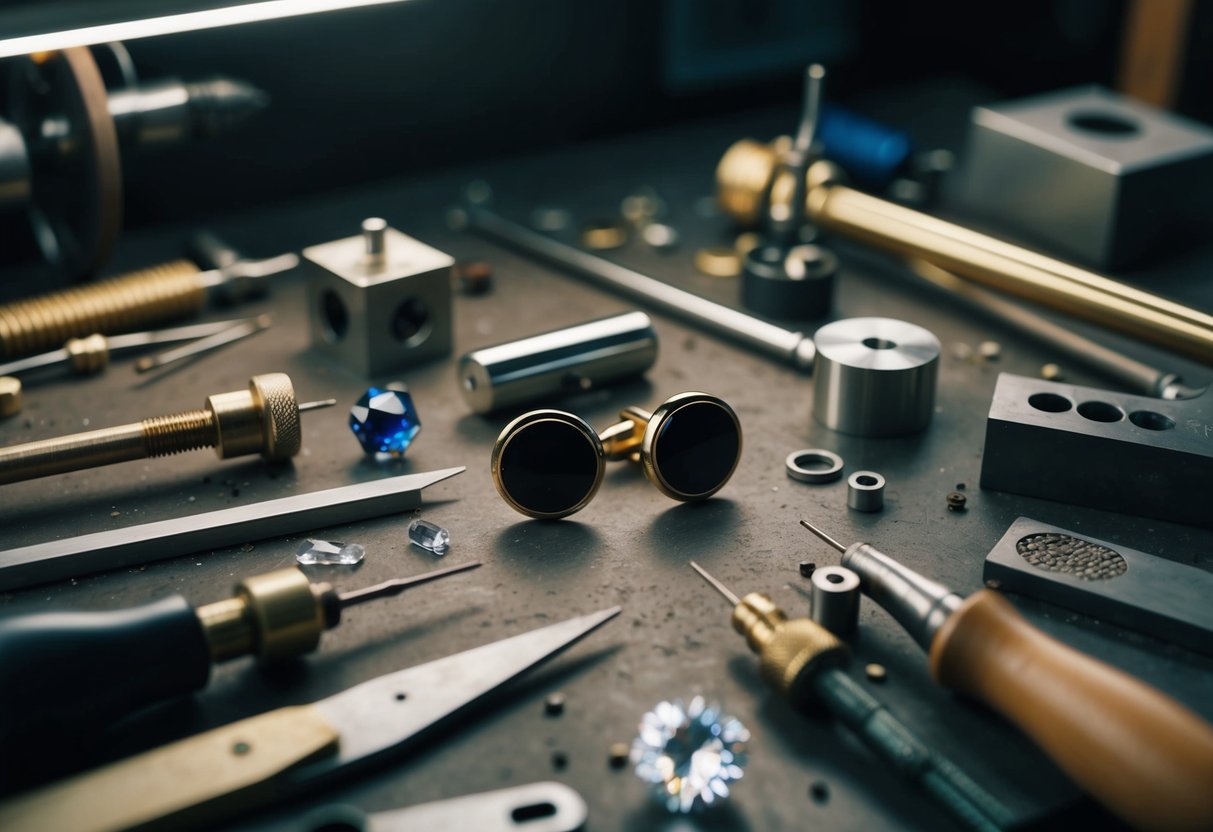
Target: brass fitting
x,y
275,616
790,652
743,180
262,419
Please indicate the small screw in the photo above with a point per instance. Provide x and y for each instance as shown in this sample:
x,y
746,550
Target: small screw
x,y
875,672
554,704
956,501
990,350
617,756
807,568
1051,372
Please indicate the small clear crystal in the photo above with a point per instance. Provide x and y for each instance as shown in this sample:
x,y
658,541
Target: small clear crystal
x,y
329,553
689,753
429,536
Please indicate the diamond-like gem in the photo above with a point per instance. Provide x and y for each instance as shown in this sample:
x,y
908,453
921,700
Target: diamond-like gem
x,y
689,753
329,553
429,536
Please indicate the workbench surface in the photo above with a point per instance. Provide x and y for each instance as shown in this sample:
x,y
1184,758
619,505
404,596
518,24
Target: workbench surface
x,y
629,547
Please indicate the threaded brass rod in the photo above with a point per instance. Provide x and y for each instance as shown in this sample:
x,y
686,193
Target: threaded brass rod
x,y
264,419
140,298
158,436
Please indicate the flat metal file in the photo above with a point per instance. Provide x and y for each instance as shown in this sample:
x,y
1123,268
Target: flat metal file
x,y
1113,583
120,548
201,780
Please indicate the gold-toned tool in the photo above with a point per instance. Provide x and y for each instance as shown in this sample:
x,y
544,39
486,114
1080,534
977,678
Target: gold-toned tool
x,y
127,659
119,304
803,662
1136,750
751,182
548,464
263,419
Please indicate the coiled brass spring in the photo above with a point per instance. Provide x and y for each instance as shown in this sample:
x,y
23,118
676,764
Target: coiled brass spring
x,y
140,298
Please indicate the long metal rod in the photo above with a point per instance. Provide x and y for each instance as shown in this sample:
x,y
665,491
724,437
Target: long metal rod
x,y
793,348
1008,268
120,548
1132,374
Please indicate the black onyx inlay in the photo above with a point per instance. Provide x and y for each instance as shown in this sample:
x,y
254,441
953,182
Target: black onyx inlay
x,y
696,448
548,467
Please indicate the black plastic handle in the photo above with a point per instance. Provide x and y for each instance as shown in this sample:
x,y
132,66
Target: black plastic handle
x,y
67,672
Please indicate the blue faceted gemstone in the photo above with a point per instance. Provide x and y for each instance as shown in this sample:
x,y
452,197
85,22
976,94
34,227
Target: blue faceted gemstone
x,y
385,422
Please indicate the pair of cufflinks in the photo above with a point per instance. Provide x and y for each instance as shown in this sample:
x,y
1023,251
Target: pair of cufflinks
x,y
548,463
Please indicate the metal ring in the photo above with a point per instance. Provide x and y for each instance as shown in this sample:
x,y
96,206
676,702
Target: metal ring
x,y
798,463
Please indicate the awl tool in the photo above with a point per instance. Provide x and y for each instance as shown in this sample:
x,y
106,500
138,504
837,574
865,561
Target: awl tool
x,y
66,671
1133,748
203,779
803,661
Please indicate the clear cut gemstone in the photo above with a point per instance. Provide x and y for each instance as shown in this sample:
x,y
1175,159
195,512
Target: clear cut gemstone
x,y
689,754
329,553
429,536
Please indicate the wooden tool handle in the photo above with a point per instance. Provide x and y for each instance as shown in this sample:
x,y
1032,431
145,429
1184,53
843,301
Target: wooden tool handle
x,y
1139,752
178,784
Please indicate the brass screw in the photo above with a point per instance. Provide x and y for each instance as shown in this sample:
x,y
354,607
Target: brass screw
x,y
262,419
956,501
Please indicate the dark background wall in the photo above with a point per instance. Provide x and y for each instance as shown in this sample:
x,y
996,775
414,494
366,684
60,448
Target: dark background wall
x,y
382,91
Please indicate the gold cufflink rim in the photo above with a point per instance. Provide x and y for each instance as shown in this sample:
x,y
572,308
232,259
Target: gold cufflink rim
x,y
515,428
657,421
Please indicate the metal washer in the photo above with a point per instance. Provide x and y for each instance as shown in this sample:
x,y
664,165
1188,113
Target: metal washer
x,y
798,461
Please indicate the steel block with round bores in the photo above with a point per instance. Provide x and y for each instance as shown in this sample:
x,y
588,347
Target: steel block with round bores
x,y
1089,174
1112,451
380,301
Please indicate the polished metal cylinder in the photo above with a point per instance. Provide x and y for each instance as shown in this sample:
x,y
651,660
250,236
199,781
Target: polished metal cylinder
x,y
553,364
865,491
875,376
836,599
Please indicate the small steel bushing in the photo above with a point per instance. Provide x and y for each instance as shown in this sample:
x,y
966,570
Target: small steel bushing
x,y
865,491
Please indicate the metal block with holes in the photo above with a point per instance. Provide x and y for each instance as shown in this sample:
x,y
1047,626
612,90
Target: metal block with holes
x,y
1106,581
1089,174
1112,451
380,301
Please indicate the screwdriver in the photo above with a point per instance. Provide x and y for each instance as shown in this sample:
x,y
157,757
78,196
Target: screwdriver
x,y
803,661
1136,750
63,672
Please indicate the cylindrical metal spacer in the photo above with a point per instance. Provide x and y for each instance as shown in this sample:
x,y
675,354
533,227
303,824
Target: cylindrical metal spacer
x,y
795,283
875,376
836,599
865,491
572,360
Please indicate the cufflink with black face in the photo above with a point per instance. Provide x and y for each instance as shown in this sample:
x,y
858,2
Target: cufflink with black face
x,y
549,463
